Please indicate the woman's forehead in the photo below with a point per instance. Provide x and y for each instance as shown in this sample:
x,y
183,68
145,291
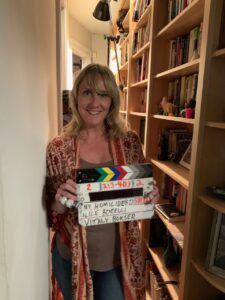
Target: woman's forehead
x,y
95,83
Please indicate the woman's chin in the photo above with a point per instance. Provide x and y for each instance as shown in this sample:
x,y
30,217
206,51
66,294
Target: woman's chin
x,y
94,124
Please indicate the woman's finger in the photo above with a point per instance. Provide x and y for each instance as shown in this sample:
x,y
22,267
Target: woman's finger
x,y
71,183
67,194
68,187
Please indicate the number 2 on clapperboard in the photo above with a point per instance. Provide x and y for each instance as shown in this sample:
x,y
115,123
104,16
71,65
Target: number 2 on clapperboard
x,y
89,187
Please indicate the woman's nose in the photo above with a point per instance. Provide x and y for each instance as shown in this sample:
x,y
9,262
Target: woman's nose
x,y
94,97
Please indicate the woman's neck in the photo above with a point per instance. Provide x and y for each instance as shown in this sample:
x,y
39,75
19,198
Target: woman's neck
x,y
94,146
90,134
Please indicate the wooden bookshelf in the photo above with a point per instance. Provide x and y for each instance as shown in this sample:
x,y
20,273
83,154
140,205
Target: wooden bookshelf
x,y
219,125
123,112
142,83
188,18
208,143
213,202
138,114
144,18
140,52
219,53
217,282
167,274
181,70
175,171
124,67
126,21
174,119
176,229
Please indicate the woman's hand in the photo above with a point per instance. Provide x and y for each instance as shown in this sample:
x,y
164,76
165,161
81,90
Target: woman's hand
x,y
154,196
151,193
65,197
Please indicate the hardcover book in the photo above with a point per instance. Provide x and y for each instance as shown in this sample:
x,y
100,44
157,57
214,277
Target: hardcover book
x,y
170,212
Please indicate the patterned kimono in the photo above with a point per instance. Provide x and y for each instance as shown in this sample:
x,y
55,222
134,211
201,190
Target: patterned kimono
x,y
62,162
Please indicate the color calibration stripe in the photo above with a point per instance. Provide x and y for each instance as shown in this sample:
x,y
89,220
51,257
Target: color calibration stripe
x,y
113,173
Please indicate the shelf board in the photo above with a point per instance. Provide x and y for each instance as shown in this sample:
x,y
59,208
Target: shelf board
x,y
148,293
213,202
144,18
124,66
138,114
219,53
125,4
175,171
174,119
219,125
141,51
123,112
166,274
124,41
125,22
191,16
214,280
185,69
176,229
142,83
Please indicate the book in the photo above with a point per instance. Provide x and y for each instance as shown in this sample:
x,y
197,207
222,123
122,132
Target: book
x,y
142,131
193,43
136,16
222,26
170,212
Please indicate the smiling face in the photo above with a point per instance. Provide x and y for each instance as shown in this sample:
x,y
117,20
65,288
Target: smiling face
x,y
93,104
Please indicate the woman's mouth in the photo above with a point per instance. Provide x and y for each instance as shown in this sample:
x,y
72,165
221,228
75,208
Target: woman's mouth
x,y
93,112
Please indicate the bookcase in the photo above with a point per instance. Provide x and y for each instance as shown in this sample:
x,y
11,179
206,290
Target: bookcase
x,y
157,59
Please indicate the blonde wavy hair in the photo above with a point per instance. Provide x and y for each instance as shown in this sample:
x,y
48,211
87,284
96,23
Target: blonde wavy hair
x,y
115,125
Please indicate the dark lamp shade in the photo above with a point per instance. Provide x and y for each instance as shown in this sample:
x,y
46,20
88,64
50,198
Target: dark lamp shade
x,y
101,11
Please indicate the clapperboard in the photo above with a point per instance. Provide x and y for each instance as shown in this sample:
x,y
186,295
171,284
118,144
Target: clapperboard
x,y
114,194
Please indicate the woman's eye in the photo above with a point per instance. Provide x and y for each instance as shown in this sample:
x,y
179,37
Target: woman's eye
x,y
86,92
103,95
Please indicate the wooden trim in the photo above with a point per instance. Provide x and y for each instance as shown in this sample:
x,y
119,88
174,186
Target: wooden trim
x,y
174,119
185,69
175,171
214,280
167,274
191,16
219,53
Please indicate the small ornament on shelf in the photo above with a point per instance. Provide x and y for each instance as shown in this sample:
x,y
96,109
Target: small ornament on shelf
x,y
166,106
218,192
189,110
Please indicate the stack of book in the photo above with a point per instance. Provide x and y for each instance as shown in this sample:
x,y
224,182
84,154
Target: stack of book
x,y
175,7
181,90
222,26
173,142
157,287
139,9
175,208
170,212
142,67
185,48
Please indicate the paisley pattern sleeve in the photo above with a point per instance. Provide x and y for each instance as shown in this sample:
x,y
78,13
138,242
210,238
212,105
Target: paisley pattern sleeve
x,y
132,148
54,179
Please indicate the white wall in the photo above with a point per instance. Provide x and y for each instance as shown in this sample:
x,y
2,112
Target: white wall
x,y
89,46
99,49
27,120
79,38
66,58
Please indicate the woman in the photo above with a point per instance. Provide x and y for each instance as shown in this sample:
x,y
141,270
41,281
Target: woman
x,y
104,261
